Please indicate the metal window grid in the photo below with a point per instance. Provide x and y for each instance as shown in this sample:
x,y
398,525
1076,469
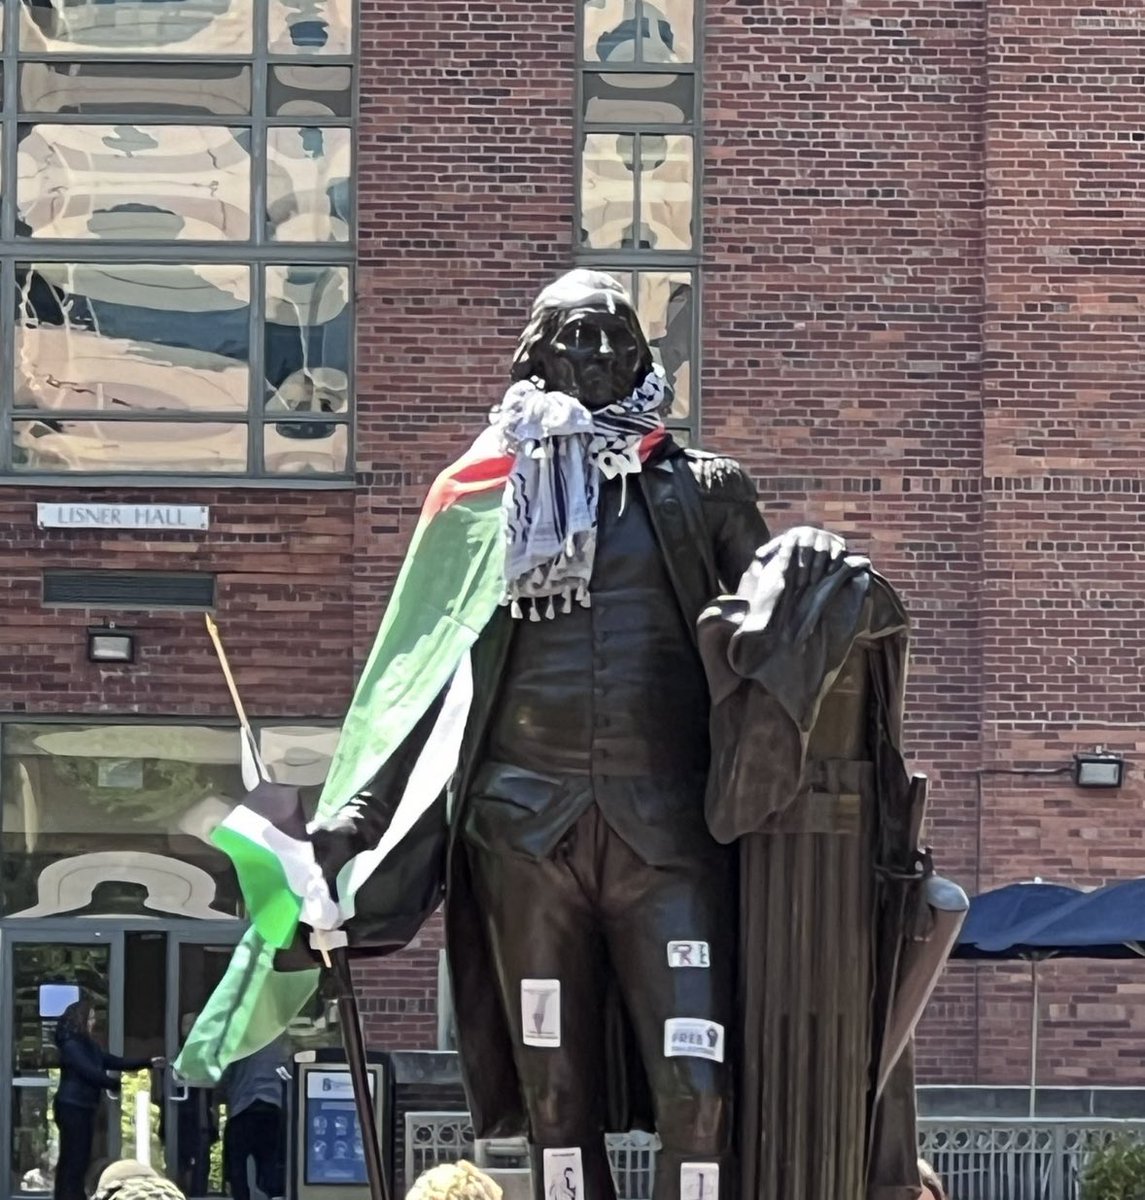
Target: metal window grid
x,y
636,259
257,254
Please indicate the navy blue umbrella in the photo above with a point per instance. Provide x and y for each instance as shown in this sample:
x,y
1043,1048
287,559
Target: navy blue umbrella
x,y
1035,921
993,914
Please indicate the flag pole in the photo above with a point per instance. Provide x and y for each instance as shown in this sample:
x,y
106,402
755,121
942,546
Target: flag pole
x,y
355,1049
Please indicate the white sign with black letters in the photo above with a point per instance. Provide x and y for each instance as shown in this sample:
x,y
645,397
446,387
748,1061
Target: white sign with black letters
x,y
699,1181
541,1012
564,1174
693,1037
689,954
159,518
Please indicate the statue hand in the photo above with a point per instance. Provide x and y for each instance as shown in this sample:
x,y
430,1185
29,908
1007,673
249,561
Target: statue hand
x,y
811,555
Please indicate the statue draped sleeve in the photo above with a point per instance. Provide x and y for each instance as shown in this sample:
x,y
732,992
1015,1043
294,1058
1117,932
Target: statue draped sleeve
x,y
808,777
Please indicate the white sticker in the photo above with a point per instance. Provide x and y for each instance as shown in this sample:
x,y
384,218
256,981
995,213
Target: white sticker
x,y
699,1181
564,1174
689,954
693,1037
541,1012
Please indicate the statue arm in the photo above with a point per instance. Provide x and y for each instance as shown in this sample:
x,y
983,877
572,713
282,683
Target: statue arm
x,y
738,527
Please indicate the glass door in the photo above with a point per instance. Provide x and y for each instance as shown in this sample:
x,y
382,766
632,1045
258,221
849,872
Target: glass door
x,y
41,973
193,1118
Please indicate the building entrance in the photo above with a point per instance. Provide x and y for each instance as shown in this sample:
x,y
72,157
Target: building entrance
x,y
147,980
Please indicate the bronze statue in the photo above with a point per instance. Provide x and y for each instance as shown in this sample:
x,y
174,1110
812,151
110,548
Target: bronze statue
x,y
666,800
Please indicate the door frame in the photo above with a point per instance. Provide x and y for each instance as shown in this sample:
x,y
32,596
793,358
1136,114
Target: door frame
x,y
99,931
75,931
179,934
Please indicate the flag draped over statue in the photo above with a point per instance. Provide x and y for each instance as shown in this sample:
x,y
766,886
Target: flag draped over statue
x,y
449,587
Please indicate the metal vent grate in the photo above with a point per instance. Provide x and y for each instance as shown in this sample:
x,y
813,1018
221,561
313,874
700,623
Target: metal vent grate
x,y
129,589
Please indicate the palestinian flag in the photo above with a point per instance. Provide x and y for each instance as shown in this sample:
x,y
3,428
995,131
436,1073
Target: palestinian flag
x,y
381,818
408,714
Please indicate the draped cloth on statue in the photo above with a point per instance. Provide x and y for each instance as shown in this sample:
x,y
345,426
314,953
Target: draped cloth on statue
x,y
807,774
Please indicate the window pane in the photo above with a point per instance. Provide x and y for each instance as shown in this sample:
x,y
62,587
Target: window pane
x,y
669,31
193,89
310,26
138,26
665,192
184,448
308,184
146,182
638,99
609,30
308,332
306,448
148,337
117,818
664,303
607,191
666,31
297,91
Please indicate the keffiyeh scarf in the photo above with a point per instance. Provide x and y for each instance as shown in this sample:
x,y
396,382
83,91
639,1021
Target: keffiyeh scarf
x,y
560,450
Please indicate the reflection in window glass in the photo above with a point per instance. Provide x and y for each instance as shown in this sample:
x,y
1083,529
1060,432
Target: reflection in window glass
x,y
308,91
664,30
638,99
306,448
196,89
137,26
145,182
113,338
307,340
608,191
664,302
666,192
308,184
100,818
120,447
310,26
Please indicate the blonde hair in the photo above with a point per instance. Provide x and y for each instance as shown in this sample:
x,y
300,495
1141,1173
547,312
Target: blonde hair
x,y
454,1181
930,1180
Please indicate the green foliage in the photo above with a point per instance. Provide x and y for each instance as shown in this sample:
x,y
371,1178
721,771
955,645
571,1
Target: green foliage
x,y
1115,1171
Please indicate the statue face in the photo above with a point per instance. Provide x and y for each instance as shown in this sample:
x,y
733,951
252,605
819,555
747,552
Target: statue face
x,y
593,356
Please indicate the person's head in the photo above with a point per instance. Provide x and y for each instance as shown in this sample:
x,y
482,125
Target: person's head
x,y
584,339
932,1188
454,1181
128,1179
76,1019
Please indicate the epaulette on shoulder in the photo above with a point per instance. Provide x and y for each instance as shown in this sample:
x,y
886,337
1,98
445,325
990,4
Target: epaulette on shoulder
x,y
720,477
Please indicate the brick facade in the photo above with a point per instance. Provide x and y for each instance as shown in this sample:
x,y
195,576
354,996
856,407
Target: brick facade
x,y
921,326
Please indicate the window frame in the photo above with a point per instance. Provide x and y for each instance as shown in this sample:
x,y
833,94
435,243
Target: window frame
x,y
635,259
257,254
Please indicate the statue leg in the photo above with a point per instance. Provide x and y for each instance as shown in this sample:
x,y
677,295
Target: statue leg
x,y
672,941
543,930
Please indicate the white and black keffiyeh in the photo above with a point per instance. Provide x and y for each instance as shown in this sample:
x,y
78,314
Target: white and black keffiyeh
x,y
560,450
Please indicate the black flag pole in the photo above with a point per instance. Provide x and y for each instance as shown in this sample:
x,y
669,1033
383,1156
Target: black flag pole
x,y
355,1049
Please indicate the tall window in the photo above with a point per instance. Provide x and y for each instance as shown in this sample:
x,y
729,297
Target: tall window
x,y
176,238
637,195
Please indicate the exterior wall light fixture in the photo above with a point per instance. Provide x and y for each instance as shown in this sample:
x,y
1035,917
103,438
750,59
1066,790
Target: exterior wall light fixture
x,y
106,644
1098,769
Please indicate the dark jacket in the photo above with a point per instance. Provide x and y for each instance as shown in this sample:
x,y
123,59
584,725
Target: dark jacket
x,y
703,511
84,1067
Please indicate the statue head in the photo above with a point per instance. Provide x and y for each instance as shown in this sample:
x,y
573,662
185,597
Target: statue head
x,y
584,338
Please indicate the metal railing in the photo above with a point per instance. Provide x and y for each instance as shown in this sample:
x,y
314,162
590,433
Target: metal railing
x,y
977,1159
1016,1159
432,1138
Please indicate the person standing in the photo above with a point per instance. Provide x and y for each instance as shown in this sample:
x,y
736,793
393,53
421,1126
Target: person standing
x,y
254,1092
84,1067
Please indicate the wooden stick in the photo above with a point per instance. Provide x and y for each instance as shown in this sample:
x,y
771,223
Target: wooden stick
x,y
216,639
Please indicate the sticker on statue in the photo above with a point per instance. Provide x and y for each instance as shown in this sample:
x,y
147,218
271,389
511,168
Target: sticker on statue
x,y
541,1012
693,1037
564,1174
699,1181
689,954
